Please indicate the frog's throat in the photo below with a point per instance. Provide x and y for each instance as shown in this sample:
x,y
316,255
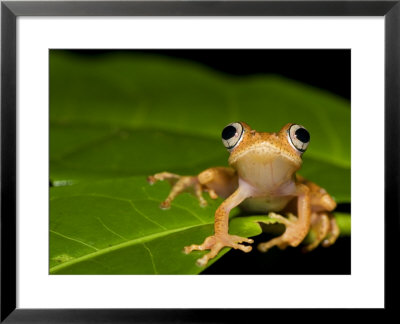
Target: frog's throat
x,y
266,149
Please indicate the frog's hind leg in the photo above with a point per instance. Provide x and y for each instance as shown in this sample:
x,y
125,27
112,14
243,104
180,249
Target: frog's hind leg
x,y
296,228
323,222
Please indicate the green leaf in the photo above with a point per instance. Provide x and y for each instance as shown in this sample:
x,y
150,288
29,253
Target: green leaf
x,y
116,119
117,227
130,114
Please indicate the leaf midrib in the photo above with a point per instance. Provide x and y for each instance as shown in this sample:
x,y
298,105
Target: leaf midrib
x,y
140,240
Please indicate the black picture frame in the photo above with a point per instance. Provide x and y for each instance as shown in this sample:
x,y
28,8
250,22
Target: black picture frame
x,y
11,10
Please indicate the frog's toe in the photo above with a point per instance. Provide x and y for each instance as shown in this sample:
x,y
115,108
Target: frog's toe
x,y
311,246
325,242
210,243
333,233
239,239
280,219
151,180
193,247
207,244
203,203
278,241
216,243
325,229
214,250
204,260
329,240
210,255
212,194
244,248
234,240
165,204
162,176
320,226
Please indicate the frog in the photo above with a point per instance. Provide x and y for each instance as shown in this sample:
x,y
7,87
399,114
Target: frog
x,y
261,178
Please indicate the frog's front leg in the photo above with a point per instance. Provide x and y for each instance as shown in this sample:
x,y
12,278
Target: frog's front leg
x,y
296,230
217,181
179,185
221,238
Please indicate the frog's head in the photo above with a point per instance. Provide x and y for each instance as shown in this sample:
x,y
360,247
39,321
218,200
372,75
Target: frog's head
x,y
250,148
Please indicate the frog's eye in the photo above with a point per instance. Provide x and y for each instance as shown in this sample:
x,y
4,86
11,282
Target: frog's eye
x,y
232,135
299,137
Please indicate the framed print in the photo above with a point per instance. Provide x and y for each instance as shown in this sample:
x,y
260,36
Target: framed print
x,y
102,101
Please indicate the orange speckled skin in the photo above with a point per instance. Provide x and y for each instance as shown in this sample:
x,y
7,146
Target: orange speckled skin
x,y
262,178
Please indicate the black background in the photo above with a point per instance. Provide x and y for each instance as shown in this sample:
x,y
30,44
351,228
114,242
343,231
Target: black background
x,y
325,69
329,70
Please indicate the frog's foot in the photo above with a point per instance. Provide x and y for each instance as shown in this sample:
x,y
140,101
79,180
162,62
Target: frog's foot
x,y
179,184
320,226
326,231
171,177
333,233
293,235
215,243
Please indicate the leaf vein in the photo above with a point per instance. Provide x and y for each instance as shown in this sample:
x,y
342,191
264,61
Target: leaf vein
x,y
144,215
184,208
110,230
91,195
121,245
151,258
75,240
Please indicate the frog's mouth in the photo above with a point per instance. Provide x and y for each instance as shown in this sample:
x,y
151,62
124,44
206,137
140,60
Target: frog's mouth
x,y
265,153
